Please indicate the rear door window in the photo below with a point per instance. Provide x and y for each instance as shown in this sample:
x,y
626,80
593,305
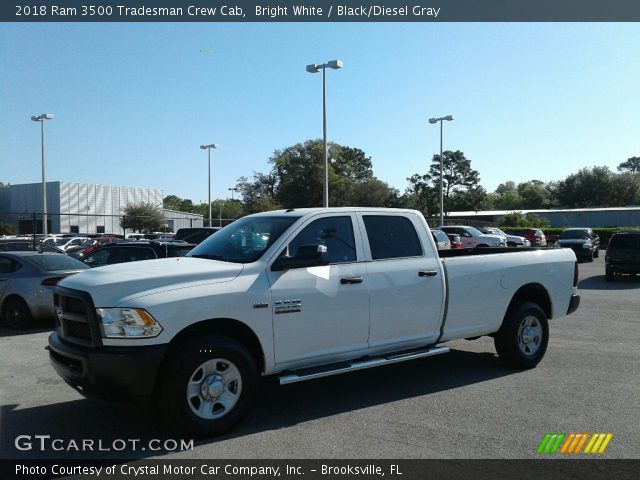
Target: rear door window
x,y
391,237
625,242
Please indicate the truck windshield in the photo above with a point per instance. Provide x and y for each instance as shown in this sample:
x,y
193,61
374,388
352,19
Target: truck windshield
x,y
245,240
574,234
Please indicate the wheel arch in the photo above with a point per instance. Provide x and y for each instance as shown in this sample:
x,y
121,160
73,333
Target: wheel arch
x,y
531,292
11,296
227,327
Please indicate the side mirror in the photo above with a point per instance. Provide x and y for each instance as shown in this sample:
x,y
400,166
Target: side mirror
x,y
306,256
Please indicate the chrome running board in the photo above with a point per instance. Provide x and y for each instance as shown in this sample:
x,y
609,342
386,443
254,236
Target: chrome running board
x,y
310,374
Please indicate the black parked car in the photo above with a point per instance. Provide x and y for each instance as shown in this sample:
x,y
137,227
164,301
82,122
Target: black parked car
x,y
121,252
584,243
195,234
623,254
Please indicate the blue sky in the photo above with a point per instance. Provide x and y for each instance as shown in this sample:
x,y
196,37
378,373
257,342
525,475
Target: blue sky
x,y
133,102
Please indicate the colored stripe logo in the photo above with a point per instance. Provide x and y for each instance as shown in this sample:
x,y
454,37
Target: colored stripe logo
x,y
574,443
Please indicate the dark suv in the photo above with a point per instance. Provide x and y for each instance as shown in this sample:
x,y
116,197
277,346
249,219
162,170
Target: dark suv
x,y
584,243
121,252
623,254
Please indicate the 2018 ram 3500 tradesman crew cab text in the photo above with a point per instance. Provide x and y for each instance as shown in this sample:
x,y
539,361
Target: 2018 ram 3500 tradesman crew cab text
x,y
297,294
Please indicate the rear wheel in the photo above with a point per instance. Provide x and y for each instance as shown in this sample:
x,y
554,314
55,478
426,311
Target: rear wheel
x,y
522,340
609,274
208,386
16,313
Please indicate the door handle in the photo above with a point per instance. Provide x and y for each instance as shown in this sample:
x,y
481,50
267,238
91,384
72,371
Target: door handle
x,y
427,273
350,280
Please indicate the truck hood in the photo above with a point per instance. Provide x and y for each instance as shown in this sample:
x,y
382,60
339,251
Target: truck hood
x,y
111,285
572,242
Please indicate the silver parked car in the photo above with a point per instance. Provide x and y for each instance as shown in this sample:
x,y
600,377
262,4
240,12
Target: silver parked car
x,y
473,238
512,240
26,281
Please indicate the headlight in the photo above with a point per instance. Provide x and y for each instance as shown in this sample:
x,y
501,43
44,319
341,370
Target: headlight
x,y
127,323
587,245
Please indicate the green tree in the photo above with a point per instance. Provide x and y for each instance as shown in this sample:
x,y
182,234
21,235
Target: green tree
x,y
534,195
8,229
296,179
457,177
632,165
258,194
517,219
422,195
374,193
625,189
142,216
506,196
473,199
226,209
597,186
173,202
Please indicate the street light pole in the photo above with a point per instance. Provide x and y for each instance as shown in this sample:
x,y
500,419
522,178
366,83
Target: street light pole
x,y
448,118
314,68
41,118
208,148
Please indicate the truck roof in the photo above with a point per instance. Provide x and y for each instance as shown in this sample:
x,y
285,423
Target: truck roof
x,y
301,212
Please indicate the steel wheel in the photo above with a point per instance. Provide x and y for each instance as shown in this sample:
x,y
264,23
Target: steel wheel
x,y
207,385
529,335
522,340
214,388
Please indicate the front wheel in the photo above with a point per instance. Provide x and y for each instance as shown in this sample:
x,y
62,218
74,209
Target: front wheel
x,y
208,386
522,340
596,253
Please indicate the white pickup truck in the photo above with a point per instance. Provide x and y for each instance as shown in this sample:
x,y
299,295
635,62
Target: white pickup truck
x,y
297,294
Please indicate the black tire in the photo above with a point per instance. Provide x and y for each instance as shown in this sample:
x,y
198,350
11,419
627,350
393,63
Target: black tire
x,y
596,253
186,363
16,313
609,275
520,348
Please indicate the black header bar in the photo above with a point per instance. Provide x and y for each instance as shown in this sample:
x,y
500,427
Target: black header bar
x,y
320,11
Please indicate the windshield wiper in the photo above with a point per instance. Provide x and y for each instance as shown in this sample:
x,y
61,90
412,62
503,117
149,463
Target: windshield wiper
x,y
210,257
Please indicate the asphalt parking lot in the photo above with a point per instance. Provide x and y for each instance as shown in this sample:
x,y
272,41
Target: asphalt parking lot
x,y
465,404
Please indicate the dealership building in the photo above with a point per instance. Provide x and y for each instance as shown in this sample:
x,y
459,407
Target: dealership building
x,y
81,207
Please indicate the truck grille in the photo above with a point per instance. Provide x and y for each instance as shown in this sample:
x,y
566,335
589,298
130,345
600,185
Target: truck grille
x,y
76,321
